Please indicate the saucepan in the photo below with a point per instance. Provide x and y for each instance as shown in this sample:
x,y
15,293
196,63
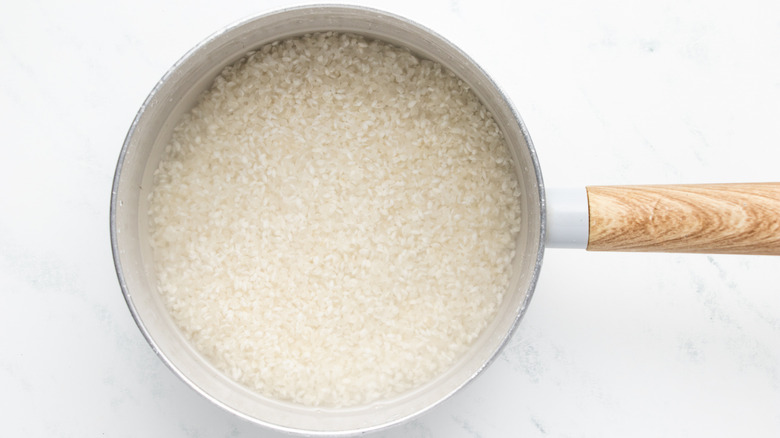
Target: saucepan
x,y
713,218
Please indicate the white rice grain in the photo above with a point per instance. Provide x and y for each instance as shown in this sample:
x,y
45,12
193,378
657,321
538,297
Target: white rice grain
x,y
334,221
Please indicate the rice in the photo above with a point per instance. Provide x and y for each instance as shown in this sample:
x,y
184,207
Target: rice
x,y
333,222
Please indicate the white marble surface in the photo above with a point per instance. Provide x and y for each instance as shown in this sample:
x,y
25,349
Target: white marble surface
x,y
612,91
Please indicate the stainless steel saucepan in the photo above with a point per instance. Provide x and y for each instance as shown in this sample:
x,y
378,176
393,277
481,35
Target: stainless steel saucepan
x,y
707,218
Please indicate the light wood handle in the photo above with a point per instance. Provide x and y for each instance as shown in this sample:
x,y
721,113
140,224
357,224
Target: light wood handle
x,y
705,218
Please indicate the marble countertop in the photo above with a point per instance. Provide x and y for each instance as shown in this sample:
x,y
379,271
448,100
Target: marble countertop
x,y
612,92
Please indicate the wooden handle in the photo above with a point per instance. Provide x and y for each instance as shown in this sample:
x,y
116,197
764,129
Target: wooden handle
x,y
706,218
